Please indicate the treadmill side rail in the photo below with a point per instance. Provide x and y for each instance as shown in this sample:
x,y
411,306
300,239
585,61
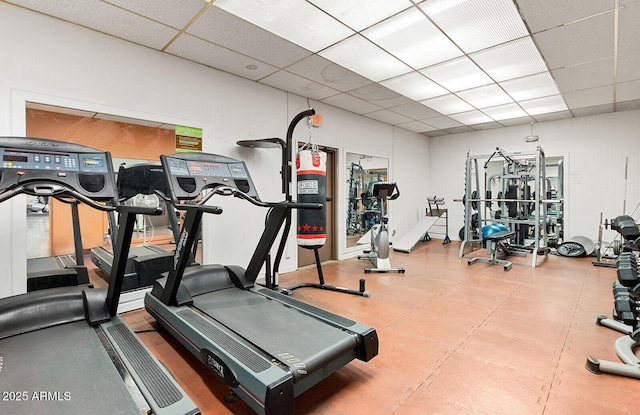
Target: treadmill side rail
x,y
158,387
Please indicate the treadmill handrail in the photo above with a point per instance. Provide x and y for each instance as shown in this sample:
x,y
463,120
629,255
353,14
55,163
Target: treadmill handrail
x,y
50,188
232,191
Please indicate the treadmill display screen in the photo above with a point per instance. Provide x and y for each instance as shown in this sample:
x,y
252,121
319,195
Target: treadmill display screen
x,y
238,171
198,168
13,157
177,167
95,163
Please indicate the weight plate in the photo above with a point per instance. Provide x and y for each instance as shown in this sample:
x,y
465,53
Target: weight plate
x,y
571,249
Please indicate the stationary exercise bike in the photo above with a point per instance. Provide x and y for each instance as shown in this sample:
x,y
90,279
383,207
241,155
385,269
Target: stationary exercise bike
x,y
379,252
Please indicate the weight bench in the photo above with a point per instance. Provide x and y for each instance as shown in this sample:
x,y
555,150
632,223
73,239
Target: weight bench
x,y
494,241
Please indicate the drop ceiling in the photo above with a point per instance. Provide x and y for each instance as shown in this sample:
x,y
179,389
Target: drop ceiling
x,y
435,67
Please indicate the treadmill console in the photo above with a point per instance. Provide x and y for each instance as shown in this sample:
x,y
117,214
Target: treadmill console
x,y
190,173
143,179
33,160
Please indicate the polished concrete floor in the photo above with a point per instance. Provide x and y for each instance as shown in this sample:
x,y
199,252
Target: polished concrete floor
x,y
454,339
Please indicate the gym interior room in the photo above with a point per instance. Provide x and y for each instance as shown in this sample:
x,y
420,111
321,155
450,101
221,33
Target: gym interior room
x,y
452,182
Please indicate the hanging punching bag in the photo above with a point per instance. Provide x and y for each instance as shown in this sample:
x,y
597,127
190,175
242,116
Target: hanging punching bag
x,y
311,168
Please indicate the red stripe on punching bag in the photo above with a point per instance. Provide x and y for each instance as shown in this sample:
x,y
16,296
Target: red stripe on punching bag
x,y
311,167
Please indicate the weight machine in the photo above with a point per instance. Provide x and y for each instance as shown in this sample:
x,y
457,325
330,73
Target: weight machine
x,y
523,193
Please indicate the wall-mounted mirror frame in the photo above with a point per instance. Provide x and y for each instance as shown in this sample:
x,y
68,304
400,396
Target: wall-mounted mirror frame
x,y
361,211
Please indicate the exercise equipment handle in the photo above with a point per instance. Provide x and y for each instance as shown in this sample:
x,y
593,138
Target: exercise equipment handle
x,y
232,191
54,190
396,193
286,165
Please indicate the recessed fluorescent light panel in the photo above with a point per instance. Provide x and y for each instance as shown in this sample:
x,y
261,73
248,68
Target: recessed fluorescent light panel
x,y
360,14
511,60
412,38
485,96
530,87
476,24
544,105
457,75
505,112
447,104
415,86
295,20
365,58
471,117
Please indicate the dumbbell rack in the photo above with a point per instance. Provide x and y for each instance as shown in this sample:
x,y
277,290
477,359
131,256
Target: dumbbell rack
x,y
626,314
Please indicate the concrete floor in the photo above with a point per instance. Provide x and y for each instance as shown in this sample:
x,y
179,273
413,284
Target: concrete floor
x,y
454,339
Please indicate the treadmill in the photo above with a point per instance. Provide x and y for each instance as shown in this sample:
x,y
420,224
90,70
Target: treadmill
x,y
145,263
265,346
65,350
61,270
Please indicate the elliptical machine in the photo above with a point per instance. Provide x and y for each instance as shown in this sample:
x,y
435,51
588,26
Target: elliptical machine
x,y
378,254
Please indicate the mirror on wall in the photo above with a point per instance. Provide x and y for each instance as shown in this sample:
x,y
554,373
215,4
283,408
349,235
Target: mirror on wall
x,y
363,211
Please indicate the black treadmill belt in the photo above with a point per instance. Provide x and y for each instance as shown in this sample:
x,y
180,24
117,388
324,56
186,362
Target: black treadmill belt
x,y
159,385
43,264
63,370
296,339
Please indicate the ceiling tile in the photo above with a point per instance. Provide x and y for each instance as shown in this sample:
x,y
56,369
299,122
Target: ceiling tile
x,y
174,13
363,57
416,127
628,105
457,74
505,112
485,96
628,28
471,117
511,60
544,14
460,130
198,50
415,86
416,111
436,133
552,116
584,76
428,44
628,65
589,97
360,14
231,32
379,95
295,20
476,24
582,41
519,121
108,19
596,109
351,103
530,87
628,91
447,104
328,73
389,117
544,105
300,86
443,122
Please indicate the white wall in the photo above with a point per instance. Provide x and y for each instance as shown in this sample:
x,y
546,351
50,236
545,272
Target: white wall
x,y
595,149
52,62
